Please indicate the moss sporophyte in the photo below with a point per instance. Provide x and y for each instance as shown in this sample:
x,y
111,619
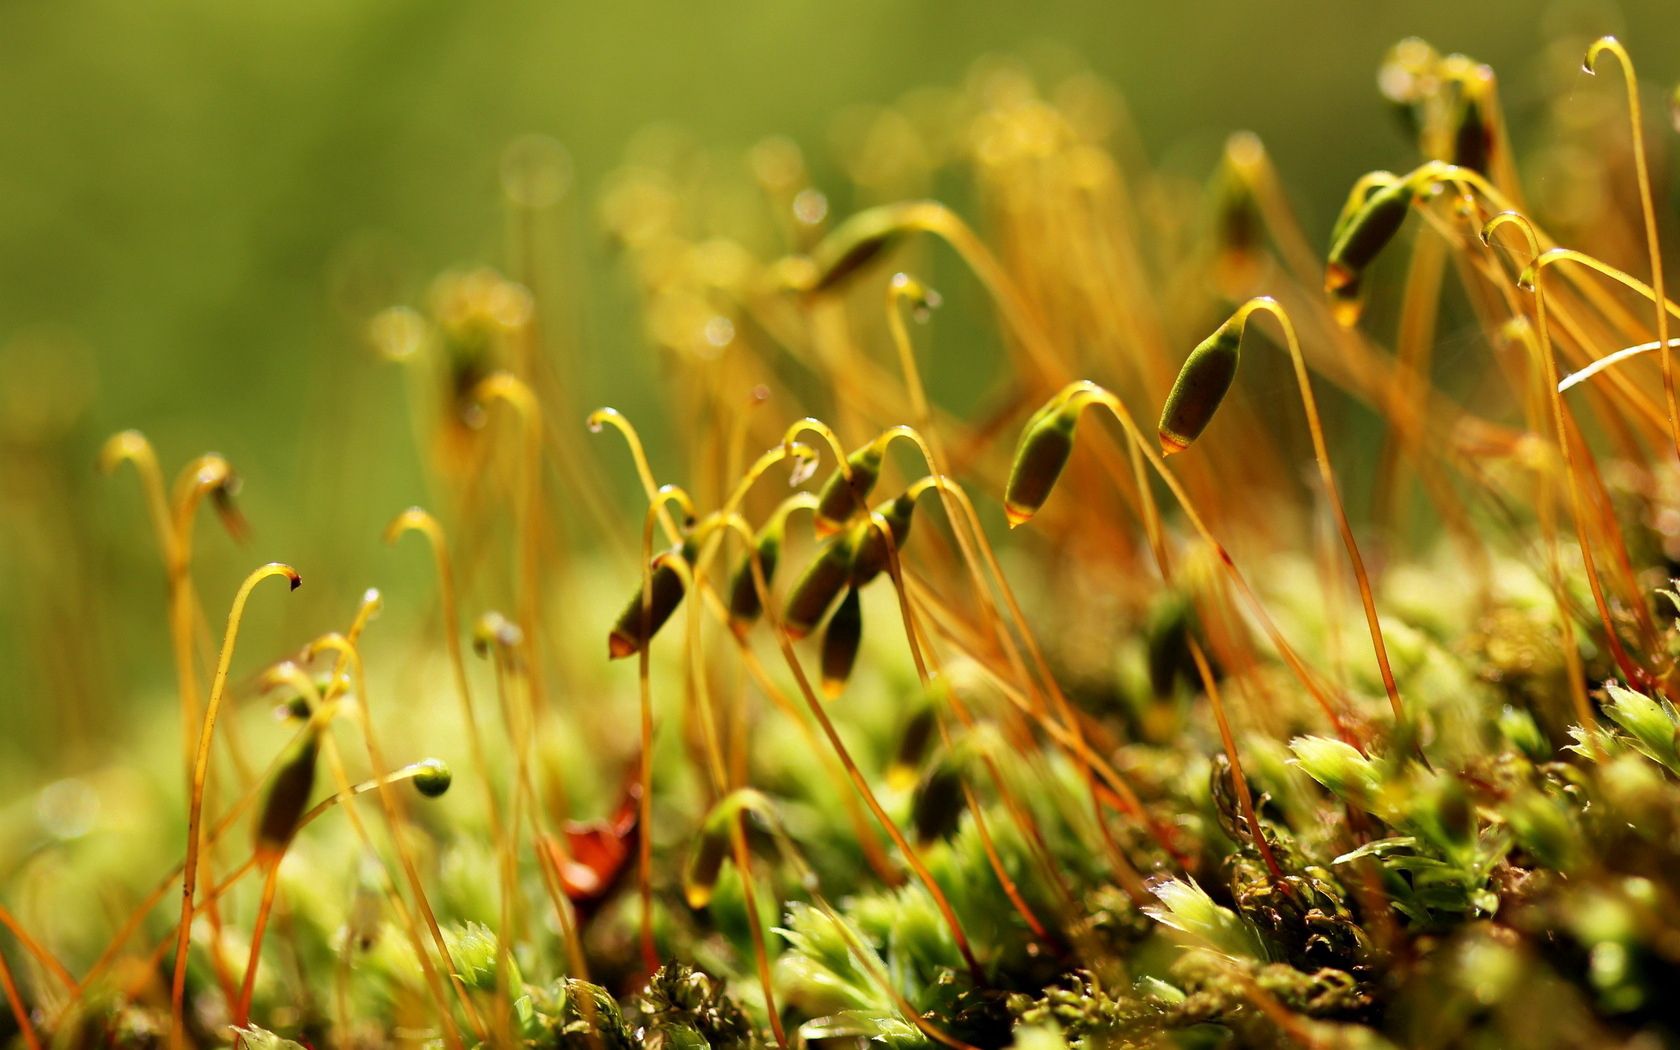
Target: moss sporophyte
x,y
1153,739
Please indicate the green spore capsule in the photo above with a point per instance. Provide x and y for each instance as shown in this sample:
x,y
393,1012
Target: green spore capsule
x,y
630,632
1167,631
937,804
1200,387
839,499
851,246
705,861
1367,233
918,738
816,590
1043,452
433,778
869,557
288,796
744,606
841,640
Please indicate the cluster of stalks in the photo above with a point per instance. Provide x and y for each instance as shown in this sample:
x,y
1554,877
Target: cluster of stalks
x,y
1196,746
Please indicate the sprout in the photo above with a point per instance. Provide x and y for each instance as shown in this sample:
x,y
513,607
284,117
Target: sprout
x,y
1339,766
1186,907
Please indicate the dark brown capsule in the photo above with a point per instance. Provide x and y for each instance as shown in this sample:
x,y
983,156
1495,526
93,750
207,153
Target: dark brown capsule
x,y
288,796
936,807
1167,631
839,500
744,606
632,630
851,246
816,590
913,746
869,549
705,860
841,640
1474,134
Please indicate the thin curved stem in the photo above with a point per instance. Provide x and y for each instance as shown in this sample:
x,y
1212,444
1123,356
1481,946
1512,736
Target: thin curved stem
x,y
1332,492
1642,176
195,812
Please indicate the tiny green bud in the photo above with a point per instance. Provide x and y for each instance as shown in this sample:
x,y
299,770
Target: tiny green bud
x,y
1186,907
433,778
840,644
1046,443
1451,816
1200,387
1542,827
1338,766
1652,725
1519,727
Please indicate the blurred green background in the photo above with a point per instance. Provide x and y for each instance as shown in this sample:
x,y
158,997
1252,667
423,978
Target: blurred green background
x,y
184,188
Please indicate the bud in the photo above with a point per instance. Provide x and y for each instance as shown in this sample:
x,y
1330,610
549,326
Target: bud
x,y
1045,446
1339,766
840,644
1186,907
630,632
1652,725
1519,728
1200,387
288,796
